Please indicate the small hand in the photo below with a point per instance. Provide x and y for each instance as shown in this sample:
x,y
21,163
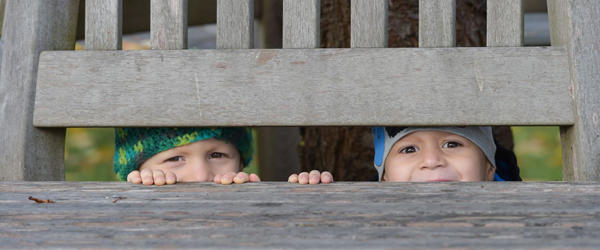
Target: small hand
x,y
152,177
314,177
237,178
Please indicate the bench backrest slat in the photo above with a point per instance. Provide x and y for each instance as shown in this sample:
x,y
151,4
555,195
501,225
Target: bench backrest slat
x,y
437,23
306,87
103,24
575,26
168,24
505,22
301,24
26,152
235,24
369,23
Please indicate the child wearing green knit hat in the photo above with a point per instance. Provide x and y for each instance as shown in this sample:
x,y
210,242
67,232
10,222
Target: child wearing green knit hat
x,y
158,156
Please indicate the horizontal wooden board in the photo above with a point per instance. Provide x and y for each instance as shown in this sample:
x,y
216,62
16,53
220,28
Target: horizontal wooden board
x,y
309,87
342,215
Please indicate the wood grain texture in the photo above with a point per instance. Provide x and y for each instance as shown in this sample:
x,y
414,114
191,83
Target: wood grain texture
x,y
558,17
354,87
301,23
344,215
235,25
168,24
505,23
103,24
26,152
369,23
437,23
581,160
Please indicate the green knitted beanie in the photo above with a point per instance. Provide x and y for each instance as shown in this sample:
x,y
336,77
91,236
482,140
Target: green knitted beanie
x,y
133,146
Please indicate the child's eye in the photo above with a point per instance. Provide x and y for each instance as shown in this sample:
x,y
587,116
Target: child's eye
x,y
176,158
216,155
451,144
409,150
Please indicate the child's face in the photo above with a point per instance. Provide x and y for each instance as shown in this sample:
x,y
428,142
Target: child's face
x,y
436,156
198,161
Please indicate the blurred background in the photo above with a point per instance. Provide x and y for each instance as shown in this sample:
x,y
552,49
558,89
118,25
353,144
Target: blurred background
x,y
345,151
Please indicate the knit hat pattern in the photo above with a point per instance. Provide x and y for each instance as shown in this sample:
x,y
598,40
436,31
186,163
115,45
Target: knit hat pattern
x,y
133,146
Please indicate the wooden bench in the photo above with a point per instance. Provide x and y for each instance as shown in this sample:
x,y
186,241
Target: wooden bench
x,y
296,85
41,93
350,215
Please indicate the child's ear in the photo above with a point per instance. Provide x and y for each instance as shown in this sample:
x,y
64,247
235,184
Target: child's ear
x,y
491,171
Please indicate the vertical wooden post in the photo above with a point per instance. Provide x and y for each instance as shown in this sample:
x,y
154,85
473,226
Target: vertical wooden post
x,y
28,153
235,24
103,24
368,23
168,24
301,24
505,23
437,23
574,24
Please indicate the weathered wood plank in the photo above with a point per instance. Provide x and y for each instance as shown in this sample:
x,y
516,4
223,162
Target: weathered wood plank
x,y
235,25
505,23
103,24
301,23
363,215
26,152
581,154
437,23
559,30
169,29
450,86
369,23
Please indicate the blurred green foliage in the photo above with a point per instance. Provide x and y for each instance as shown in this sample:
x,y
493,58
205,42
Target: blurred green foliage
x,y
89,154
538,153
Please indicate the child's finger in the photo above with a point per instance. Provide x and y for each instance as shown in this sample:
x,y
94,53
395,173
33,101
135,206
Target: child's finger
x,y
326,177
314,177
293,178
217,179
240,178
159,177
254,178
147,178
303,178
227,178
134,177
171,178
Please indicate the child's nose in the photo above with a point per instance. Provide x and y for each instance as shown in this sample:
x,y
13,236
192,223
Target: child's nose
x,y
432,158
199,171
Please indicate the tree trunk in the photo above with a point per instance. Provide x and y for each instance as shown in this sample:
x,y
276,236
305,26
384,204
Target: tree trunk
x,y
347,152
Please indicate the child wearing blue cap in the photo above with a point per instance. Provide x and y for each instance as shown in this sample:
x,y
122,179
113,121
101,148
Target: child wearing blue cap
x,y
436,154
159,156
